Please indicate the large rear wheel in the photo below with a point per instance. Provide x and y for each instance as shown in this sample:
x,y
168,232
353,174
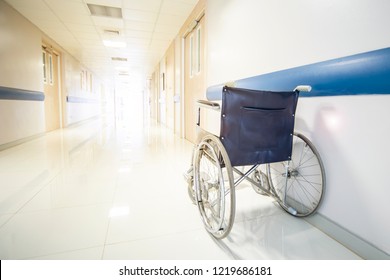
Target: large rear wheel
x,y
214,186
300,183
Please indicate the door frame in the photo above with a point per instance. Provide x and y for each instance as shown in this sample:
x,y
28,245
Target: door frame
x,y
191,27
55,54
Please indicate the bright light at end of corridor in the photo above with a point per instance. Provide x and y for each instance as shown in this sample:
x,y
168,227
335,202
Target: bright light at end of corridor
x,y
119,211
124,169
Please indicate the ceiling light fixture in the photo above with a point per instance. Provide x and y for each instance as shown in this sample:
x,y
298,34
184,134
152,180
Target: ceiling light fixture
x,y
110,32
118,58
105,11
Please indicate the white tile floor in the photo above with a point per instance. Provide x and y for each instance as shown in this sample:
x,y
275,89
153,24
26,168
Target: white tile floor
x,y
98,192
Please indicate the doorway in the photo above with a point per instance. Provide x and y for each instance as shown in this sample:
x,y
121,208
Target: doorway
x,y
194,76
51,62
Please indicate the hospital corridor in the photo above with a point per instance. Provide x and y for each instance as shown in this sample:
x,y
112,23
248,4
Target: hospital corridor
x,y
195,130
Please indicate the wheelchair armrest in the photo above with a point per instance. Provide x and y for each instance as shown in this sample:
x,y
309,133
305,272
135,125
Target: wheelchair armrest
x,y
209,104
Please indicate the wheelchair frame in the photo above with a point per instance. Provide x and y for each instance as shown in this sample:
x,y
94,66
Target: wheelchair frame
x,y
293,175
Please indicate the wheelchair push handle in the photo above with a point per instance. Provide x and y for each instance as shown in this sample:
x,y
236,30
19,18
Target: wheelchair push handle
x,y
208,104
304,88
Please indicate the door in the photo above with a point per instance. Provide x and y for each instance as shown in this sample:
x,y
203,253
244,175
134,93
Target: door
x,y
194,77
51,88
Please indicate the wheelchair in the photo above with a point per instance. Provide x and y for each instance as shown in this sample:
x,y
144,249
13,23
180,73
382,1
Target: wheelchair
x,y
257,143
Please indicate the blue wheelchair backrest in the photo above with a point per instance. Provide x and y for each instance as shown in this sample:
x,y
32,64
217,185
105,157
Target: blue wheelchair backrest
x,y
257,126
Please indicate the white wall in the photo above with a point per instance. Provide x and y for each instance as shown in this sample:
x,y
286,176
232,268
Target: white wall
x,y
352,134
178,79
20,119
21,68
162,97
252,37
76,112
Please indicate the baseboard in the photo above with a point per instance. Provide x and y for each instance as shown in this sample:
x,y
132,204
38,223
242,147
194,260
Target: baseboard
x,y
356,244
81,122
29,138
20,141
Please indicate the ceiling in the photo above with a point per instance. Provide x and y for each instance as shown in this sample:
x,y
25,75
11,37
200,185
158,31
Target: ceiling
x,y
147,27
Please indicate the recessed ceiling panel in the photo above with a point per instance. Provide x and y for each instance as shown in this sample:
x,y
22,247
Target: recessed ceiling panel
x,y
139,26
69,7
105,11
141,16
75,18
175,7
144,5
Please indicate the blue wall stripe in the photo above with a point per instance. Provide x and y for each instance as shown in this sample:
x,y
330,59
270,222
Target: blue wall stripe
x,y
365,73
76,99
7,93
